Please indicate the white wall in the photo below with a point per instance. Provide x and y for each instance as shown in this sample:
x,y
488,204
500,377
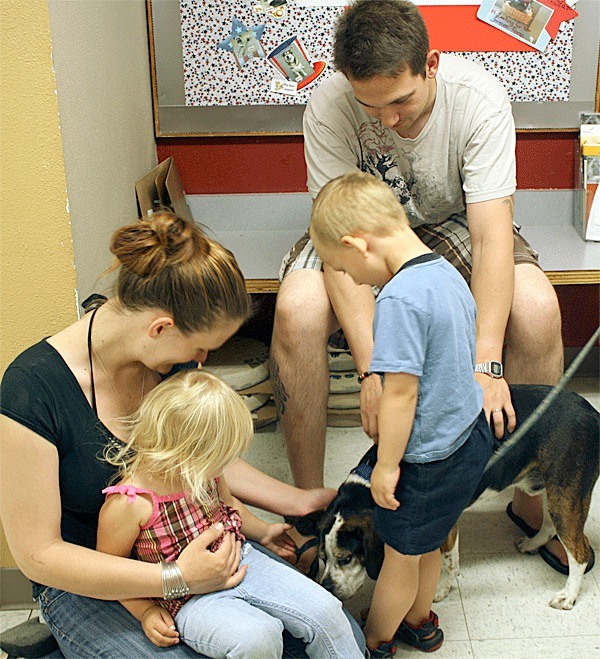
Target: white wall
x,y
101,61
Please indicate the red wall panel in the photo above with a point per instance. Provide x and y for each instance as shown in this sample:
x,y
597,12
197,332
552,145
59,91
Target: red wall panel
x,y
276,164
546,160
580,311
242,164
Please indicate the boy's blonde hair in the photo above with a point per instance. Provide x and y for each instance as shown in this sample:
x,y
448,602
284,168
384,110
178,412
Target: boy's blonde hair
x,y
353,203
189,429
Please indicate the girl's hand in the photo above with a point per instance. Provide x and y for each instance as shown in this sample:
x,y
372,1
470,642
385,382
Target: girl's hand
x,y
383,486
205,571
278,541
159,626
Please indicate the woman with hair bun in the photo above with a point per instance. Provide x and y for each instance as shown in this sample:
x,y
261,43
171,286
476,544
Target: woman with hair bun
x,y
177,296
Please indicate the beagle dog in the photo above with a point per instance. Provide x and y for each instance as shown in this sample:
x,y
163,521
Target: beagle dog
x,y
558,458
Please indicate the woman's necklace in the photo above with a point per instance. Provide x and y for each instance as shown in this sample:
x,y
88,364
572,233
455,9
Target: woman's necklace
x,y
112,384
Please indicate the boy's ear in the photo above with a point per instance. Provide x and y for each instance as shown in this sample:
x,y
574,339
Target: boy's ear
x,y
357,242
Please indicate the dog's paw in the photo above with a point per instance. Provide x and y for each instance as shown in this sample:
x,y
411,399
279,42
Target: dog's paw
x,y
562,601
523,545
443,588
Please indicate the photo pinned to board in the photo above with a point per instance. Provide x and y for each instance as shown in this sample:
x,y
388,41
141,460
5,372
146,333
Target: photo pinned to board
x,y
291,60
244,42
535,22
275,8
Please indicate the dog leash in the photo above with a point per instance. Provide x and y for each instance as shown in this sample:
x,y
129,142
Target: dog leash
x,y
545,404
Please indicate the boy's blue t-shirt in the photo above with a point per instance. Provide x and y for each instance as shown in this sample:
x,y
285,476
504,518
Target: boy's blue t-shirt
x,y
425,325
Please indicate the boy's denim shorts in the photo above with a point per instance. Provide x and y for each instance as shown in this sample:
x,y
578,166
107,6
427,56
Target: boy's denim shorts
x,y
432,495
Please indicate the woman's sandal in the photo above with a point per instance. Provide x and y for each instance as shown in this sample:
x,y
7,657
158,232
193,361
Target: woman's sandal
x,y
417,637
314,566
551,559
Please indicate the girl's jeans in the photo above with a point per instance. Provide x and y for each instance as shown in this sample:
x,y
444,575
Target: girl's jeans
x,y
246,622
87,628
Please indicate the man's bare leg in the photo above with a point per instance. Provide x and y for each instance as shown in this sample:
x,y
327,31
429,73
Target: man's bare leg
x,y
300,373
534,355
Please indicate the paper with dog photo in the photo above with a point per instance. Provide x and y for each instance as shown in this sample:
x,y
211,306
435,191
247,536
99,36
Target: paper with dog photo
x,y
525,20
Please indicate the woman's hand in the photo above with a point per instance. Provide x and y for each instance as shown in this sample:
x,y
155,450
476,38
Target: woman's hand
x,y
383,486
278,541
497,403
159,626
205,571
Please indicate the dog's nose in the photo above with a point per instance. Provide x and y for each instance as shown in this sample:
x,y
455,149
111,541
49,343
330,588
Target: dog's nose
x,y
327,583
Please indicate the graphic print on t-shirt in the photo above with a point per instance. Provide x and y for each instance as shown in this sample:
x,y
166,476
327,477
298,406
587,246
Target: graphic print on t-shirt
x,y
378,157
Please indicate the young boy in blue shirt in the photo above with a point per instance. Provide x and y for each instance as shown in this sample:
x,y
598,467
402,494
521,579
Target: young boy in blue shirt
x,y
434,440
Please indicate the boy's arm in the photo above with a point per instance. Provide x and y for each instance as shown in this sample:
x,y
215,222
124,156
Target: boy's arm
x,y
396,417
272,536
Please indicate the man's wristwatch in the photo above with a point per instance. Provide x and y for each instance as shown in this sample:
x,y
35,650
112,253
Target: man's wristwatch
x,y
493,369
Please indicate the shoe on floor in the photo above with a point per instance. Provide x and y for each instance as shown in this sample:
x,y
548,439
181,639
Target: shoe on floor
x,y
416,637
382,651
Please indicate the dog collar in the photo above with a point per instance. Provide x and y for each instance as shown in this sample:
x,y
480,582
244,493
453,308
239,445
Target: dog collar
x,y
364,470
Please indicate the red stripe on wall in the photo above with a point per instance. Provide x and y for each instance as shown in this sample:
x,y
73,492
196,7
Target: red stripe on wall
x,y
457,28
276,164
546,161
237,165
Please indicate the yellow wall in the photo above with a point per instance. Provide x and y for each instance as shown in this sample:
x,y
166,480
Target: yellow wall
x,y
37,272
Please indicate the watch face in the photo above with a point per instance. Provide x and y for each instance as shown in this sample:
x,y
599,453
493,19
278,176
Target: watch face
x,y
496,368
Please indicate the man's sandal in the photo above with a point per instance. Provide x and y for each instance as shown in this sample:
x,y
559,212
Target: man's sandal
x,y
417,636
551,559
314,566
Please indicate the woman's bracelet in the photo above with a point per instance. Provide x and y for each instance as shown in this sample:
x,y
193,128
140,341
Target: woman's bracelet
x,y
173,583
364,376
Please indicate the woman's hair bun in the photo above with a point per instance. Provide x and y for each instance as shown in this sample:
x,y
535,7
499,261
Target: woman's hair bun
x,y
151,245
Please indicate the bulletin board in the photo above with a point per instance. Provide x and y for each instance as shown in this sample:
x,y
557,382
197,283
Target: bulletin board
x,y
248,67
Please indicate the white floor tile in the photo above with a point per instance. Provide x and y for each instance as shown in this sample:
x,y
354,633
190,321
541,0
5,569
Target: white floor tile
x,y
449,650
10,619
589,388
580,647
508,598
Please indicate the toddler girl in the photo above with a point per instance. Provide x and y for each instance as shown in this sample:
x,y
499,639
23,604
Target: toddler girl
x,y
186,432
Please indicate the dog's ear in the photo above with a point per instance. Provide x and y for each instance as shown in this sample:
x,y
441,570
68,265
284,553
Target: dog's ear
x,y
307,524
373,547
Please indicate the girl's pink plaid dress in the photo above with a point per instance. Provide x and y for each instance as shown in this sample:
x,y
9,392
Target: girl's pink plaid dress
x,y
174,523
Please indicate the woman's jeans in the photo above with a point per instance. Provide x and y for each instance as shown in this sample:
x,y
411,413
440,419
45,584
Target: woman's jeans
x,y
91,628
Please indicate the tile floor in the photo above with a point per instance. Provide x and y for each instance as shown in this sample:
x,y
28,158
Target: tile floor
x,y
499,607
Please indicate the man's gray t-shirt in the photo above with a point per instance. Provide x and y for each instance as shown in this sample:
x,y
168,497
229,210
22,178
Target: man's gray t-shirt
x,y
464,154
425,325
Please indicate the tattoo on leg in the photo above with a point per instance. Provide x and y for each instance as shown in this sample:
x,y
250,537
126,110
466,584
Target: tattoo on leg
x,y
279,393
511,206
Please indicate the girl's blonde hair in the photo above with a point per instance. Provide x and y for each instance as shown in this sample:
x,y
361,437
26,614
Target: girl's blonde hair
x,y
353,203
187,430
